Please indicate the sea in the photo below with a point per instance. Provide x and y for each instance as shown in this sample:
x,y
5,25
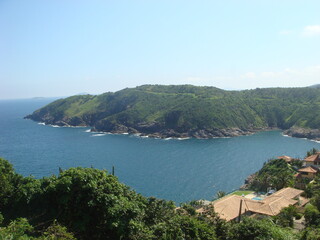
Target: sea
x,y
171,169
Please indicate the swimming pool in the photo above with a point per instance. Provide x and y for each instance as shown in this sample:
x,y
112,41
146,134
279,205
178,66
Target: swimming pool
x,y
257,198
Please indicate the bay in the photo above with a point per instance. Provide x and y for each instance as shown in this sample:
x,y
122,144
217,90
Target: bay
x,y
178,170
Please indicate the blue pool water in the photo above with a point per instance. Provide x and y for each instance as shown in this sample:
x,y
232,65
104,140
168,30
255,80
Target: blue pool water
x,y
171,169
257,198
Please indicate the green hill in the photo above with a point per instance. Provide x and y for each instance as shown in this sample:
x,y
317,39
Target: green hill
x,y
187,111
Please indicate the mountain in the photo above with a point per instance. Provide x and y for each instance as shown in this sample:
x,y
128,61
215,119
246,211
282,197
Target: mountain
x,y
188,111
315,86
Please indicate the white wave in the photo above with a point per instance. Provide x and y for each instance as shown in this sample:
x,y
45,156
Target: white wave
x,y
144,136
98,135
88,130
55,126
186,138
124,133
41,123
169,138
312,140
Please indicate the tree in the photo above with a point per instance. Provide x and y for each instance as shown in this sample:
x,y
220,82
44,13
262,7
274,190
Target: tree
x,y
275,173
312,215
8,182
55,232
220,194
253,229
16,230
312,152
286,215
310,234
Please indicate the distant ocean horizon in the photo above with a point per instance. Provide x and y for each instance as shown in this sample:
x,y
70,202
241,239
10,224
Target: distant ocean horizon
x,y
172,169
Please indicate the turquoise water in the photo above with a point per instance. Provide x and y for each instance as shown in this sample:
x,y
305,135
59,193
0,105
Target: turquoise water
x,y
177,170
257,198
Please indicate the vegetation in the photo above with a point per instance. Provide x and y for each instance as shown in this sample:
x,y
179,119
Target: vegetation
x,y
286,216
87,203
220,194
312,212
92,204
186,108
20,229
264,229
275,173
241,193
312,152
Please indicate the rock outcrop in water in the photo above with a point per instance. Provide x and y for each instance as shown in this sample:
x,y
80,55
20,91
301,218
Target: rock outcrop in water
x,y
303,133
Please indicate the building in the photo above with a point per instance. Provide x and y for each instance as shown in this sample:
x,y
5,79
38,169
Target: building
x,y
313,160
309,172
233,206
287,159
304,176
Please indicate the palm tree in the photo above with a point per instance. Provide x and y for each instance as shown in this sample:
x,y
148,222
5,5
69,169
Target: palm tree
x,y
220,194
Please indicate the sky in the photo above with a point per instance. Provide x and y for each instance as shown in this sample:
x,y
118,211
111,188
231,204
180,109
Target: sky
x,y
65,47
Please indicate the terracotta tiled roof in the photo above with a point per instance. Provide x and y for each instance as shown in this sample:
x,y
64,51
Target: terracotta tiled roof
x,y
304,201
228,207
286,158
274,204
308,170
313,158
288,192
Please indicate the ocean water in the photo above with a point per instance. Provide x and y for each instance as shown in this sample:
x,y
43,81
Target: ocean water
x,y
178,170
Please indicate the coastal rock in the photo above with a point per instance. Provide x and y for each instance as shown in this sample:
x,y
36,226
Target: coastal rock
x,y
303,133
149,127
248,181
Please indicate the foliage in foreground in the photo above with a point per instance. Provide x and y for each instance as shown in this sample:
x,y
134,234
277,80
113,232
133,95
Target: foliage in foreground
x,y
21,229
92,204
88,203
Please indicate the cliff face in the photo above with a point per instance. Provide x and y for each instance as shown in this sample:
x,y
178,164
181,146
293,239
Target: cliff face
x,y
186,111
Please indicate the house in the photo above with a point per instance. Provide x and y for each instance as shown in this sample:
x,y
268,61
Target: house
x,y
304,176
287,159
233,206
313,160
228,207
309,172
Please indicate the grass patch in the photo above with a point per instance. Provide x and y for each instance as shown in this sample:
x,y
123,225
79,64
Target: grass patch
x,y
239,193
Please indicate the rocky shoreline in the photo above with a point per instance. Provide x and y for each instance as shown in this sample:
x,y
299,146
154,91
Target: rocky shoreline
x,y
198,134
248,181
313,134
158,130
152,130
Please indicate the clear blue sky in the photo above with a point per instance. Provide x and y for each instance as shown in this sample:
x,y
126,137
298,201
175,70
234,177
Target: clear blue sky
x,y
65,47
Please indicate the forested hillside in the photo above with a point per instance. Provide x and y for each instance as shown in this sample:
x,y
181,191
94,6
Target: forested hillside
x,y
188,111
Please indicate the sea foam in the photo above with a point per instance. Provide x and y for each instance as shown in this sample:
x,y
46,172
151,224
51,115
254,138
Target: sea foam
x,y
98,135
